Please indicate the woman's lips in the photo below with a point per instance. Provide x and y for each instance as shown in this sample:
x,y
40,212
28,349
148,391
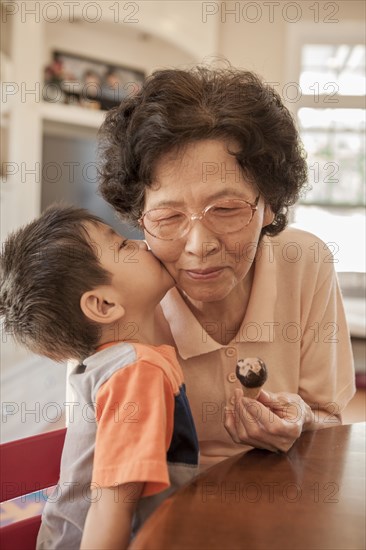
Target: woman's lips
x,y
204,274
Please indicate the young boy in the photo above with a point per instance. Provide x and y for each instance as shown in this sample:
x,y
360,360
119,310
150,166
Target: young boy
x,y
72,288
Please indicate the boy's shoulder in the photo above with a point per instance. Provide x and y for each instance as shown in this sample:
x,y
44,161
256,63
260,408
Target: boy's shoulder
x,y
130,352
163,357
113,357
156,353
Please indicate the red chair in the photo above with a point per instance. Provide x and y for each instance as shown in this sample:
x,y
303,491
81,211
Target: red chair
x,y
28,465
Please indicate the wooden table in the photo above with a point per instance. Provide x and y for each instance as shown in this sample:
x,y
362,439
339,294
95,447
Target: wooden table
x,y
312,498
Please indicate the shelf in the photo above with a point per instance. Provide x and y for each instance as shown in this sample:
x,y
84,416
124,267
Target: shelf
x,y
72,114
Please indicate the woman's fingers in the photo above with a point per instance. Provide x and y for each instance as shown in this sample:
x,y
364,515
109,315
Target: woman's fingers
x,y
288,406
243,425
230,425
274,422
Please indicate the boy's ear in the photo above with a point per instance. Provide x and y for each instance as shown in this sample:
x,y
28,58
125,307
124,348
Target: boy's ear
x,y
98,305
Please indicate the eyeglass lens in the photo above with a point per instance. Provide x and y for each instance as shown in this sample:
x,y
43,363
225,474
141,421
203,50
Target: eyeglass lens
x,y
223,217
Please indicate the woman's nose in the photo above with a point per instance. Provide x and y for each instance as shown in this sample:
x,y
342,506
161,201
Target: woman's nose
x,y
200,241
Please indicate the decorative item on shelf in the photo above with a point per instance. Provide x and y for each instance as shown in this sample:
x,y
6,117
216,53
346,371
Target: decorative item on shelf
x,y
54,76
88,83
92,85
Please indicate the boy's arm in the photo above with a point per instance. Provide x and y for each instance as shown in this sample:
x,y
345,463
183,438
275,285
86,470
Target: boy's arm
x,y
109,519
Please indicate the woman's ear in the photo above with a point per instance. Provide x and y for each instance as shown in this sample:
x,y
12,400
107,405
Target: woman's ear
x,y
99,305
268,216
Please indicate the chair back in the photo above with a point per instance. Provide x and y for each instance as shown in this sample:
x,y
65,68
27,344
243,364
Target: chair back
x,y
28,465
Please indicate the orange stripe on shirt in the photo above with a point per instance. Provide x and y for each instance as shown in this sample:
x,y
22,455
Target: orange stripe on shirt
x,y
135,416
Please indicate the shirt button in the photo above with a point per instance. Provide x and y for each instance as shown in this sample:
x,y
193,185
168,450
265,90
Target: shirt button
x,y
230,352
232,377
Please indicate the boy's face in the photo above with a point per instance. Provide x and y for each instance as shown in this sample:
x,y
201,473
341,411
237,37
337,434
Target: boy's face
x,y
139,278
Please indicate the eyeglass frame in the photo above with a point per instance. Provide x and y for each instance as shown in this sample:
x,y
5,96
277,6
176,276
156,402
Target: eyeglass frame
x,y
197,216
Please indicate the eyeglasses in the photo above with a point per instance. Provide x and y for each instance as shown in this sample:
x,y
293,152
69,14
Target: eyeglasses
x,y
222,218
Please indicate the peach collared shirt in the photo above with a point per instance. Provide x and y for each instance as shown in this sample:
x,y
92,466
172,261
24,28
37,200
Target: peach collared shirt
x,y
294,321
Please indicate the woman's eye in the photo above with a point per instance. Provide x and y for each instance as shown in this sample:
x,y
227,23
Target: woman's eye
x,y
168,220
172,218
222,211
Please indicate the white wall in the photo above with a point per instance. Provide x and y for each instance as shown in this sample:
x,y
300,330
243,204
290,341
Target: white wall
x,y
255,35
120,45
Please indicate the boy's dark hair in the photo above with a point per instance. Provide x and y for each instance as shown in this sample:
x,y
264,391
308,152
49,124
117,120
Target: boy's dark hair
x,y
175,107
46,266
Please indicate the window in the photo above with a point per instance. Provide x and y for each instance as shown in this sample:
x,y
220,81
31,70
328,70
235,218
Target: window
x,y
329,68
335,142
333,68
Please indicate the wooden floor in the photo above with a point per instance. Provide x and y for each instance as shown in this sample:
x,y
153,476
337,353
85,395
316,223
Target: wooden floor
x,y
356,409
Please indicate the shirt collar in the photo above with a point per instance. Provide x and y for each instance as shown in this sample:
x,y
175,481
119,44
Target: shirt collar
x,y
192,339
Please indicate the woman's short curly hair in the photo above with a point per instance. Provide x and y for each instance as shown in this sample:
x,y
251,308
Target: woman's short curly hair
x,y
175,107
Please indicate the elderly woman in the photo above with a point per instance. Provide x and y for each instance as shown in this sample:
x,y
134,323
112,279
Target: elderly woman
x,y
207,162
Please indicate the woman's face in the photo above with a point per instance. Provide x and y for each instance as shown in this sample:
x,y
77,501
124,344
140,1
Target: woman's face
x,y
206,266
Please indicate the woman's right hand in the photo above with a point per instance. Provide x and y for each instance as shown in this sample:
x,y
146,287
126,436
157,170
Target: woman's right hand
x,y
273,421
